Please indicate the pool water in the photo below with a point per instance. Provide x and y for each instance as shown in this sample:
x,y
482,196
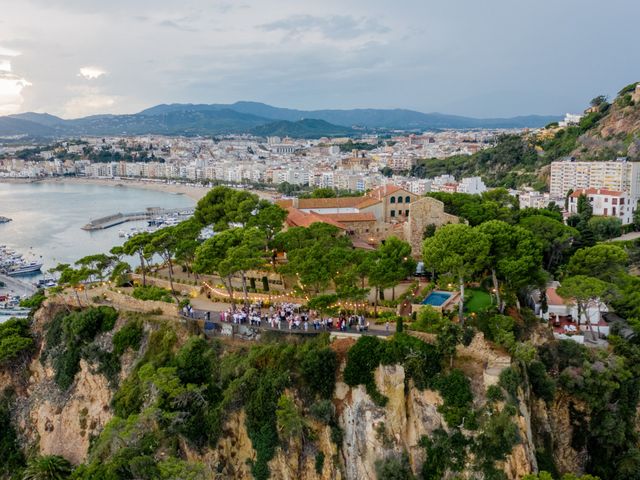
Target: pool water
x,y
436,299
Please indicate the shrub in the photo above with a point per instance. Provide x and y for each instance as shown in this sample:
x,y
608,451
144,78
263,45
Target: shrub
x,y
15,340
541,383
151,292
319,366
129,336
362,360
34,301
455,389
494,394
394,468
10,453
510,380
68,337
428,320
323,410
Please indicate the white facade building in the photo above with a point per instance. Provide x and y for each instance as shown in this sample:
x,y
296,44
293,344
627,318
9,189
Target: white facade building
x,y
605,203
619,175
472,185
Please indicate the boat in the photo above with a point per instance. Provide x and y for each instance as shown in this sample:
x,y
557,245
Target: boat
x,y
23,268
4,219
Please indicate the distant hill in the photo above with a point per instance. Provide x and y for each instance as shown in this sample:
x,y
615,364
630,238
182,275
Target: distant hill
x,y
246,117
367,118
308,128
16,126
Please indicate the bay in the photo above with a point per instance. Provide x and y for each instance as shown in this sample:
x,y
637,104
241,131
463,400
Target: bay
x,y
47,217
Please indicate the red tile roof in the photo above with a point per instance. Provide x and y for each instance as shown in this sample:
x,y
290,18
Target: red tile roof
x,y
298,218
553,298
596,191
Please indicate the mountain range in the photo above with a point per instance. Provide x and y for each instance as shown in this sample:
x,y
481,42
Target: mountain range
x,y
253,118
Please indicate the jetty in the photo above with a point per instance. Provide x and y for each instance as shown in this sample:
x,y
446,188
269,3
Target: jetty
x,y
17,286
148,214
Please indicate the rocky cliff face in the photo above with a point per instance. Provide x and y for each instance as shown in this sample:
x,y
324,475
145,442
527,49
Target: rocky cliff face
x,y
53,422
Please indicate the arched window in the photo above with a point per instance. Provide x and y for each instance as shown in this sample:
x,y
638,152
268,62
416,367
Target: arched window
x,y
399,199
407,199
393,200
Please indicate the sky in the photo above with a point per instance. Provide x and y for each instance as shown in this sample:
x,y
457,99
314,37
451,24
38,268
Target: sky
x,y
482,58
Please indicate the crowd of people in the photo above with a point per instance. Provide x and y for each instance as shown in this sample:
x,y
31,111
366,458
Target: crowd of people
x,y
291,316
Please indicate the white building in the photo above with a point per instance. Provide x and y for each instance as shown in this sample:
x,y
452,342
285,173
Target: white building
x,y
605,203
570,119
472,185
619,175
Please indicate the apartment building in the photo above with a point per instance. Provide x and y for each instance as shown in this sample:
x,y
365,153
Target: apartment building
x,y
619,175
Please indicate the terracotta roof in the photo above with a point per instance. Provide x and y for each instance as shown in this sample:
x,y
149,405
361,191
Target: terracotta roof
x,y
553,298
285,202
352,217
596,191
298,218
367,202
384,191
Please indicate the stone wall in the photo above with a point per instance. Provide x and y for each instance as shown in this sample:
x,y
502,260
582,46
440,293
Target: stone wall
x,y
425,211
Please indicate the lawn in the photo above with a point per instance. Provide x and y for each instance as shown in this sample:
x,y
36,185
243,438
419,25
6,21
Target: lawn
x,y
476,300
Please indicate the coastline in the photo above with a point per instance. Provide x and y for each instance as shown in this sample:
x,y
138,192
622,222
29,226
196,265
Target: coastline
x,y
194,192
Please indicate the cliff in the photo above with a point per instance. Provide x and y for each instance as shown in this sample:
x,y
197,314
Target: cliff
x,y
357,434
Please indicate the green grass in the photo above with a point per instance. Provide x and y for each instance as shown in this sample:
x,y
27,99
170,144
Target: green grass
x,y
477,300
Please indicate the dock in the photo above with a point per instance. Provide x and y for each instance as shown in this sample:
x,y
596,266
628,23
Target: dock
x,y
17,286
119,218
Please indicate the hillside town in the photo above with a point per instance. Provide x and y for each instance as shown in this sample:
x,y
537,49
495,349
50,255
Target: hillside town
x,y
341,164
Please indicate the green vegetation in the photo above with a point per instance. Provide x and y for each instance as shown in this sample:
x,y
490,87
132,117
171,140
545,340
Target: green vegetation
x,y
47,467
151,292
16,341
129,336
499,165
34,301
478,300
68,338
421,361
12,459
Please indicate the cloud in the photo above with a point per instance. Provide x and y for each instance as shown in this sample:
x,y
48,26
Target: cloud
x,y
88,101
11,87
91,73
335,27
8,52
179,24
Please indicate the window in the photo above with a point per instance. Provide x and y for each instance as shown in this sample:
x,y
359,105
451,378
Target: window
x,y
399,199
605,212
407,199
393,213
406,213
614,201
606,199
393,200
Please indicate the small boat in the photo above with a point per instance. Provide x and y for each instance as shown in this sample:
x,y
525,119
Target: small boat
x,y
4,219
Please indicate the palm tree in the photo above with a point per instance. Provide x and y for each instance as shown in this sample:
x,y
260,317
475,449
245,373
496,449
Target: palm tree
x,y
47,467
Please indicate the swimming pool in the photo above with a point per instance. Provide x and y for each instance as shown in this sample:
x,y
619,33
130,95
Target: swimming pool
x,y
436,299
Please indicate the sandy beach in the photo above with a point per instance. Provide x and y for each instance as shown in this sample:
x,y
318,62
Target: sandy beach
x,y
195,192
